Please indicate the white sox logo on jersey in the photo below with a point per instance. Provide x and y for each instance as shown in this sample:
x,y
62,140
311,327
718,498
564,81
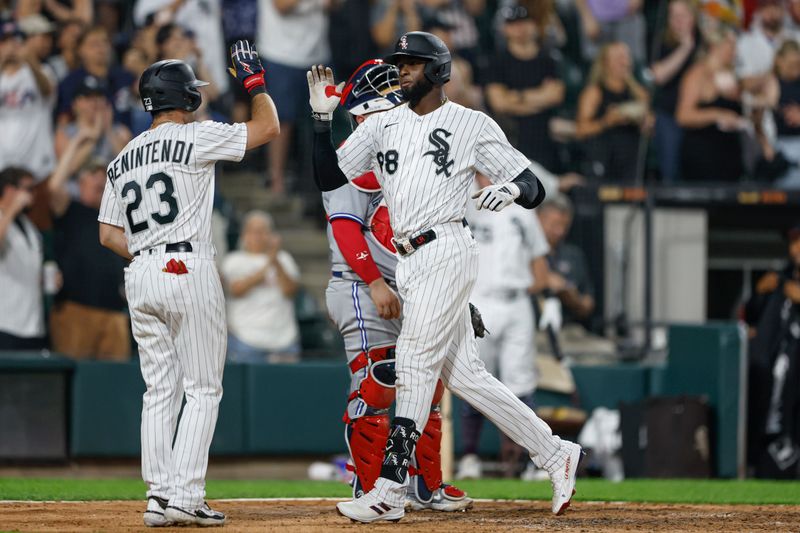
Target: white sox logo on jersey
x,y
441,152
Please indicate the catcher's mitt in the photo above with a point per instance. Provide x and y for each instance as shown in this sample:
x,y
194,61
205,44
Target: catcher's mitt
x,y
478,327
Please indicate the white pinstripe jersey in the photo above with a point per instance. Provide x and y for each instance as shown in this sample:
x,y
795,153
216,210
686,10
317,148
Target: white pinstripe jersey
x,y
160,187
426,164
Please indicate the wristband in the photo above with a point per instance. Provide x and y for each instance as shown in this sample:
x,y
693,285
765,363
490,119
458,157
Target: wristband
x,y
255,84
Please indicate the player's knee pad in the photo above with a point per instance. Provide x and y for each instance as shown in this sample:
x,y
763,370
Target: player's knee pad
x,y
374,377
366,440
429,452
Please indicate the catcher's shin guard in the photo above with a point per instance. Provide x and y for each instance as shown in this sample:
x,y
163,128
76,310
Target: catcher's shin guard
x,y
367,418
427,490
366,439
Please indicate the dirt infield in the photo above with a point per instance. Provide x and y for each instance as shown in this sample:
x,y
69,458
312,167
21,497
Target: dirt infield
x,y
303,516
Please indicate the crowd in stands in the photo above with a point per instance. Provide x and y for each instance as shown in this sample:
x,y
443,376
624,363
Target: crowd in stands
x,y
594,91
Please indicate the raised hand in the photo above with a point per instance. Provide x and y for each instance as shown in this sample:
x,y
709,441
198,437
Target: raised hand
x,y
246,67
323,93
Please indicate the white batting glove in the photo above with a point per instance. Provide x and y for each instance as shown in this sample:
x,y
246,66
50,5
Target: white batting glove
x,y
496,197
551,314
323,93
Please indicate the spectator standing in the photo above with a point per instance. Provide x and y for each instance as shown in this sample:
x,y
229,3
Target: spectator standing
x,y
262,280
710,113
523,84
175,42
92,113
21,302
89,318
59,10
94,51
606,21
391,18
349,43
203,19
755,49
39,33
612,111
26,101
461,89
67,58
787,110
293,35
677,51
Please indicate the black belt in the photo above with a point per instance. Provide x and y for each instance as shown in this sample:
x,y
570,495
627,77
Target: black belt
x,y
422,239
173,248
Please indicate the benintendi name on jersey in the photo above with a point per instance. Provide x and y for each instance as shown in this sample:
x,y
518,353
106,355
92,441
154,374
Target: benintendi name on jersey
x,y
168,151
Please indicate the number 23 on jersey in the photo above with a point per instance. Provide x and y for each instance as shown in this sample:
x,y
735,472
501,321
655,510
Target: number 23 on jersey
x,y
164,186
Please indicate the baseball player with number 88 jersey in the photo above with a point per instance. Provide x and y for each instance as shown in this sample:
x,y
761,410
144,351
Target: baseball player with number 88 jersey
x,y
364,305
425,154
156,210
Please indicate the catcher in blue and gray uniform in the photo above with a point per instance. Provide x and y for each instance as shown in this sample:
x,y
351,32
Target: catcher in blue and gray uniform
x,y
363,303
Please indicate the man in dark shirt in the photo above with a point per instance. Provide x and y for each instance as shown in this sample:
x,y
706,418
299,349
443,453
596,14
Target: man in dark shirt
x,y
94,51
569,271
88,319
523,84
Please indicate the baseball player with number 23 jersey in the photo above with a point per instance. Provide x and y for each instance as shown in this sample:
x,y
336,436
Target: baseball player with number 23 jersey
x,y
156,210
425,154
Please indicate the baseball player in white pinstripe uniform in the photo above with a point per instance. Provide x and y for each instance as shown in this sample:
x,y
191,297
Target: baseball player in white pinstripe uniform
x,y
363,302
156,211
425,155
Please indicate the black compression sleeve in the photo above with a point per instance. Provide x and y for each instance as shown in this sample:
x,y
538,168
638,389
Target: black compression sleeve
x,y
531,190
327,174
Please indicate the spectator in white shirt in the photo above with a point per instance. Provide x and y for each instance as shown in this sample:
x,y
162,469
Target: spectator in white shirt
x,y
261,280
21,306
26,102
292,36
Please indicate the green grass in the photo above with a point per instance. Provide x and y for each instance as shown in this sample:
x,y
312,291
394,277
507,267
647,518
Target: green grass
x,y
662,491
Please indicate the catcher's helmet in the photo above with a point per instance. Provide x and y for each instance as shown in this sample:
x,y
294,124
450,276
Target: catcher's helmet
x,y
374,86
170,84
423,45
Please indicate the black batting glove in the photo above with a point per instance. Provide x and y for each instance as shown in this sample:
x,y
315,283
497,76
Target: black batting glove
x,y
246,67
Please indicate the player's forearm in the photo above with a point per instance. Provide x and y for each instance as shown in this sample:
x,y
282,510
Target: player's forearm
x,y
264,124
42,81
350,239
327,174
113,238
531,191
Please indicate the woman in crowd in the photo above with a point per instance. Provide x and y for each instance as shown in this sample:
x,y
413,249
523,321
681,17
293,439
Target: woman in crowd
x,y
710,113
787,110
675,56
612,111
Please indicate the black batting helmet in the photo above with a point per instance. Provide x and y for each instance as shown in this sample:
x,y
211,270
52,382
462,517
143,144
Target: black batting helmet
x,y
170,84
428,47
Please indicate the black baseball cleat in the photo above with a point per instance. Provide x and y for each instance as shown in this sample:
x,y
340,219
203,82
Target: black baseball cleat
x,y
154,515
204,516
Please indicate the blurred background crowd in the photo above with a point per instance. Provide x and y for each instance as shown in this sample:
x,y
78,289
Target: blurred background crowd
x,y
596,92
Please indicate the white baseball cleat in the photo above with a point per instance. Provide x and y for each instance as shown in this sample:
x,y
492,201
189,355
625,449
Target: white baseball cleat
x,y
204,516
154,515
562,475
446,498
368,509
469,467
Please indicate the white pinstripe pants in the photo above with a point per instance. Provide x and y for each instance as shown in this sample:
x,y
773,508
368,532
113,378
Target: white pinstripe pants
x,y
179,323
436,340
